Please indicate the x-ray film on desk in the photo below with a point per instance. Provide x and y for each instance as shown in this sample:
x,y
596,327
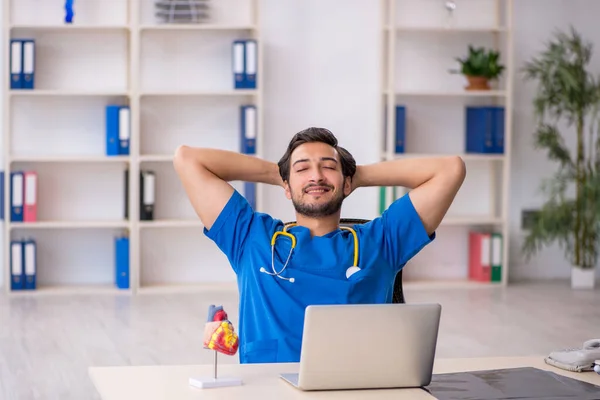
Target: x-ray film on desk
x,y
512,383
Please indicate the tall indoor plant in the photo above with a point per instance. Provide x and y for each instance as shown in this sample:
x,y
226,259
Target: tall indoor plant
x,y
568,94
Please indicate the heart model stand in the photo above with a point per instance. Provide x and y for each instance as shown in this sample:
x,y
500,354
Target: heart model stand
x,y
219,336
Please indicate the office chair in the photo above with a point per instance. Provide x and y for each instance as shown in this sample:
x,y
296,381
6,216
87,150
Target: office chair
x,y
398,292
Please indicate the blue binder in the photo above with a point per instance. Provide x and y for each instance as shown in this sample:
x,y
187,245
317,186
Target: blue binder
x,y
124,129
112,130
30,264
248,128
250,193
498,133
16,265
2,196
16,64
481,129
238,66
250,63
122,262
17,195
400,128
28,63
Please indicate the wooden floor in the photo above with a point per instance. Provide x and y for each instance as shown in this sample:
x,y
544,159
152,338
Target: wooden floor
x,y
48,342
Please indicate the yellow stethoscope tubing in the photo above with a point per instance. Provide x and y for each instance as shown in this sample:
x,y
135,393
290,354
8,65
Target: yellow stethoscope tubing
x,y
293,239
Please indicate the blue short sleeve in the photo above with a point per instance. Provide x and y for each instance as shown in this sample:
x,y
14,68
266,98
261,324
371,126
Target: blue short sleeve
x,y
404,234
234,225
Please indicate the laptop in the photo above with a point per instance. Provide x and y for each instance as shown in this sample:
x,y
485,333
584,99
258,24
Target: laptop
x,y
367,346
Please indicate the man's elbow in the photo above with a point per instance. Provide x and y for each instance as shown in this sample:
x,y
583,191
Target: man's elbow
x,y
184,157
457,170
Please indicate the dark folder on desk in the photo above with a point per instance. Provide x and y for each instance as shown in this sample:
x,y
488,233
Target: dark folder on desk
x,y
513,383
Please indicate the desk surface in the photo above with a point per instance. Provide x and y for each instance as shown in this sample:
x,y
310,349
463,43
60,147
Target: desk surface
x,y
261,381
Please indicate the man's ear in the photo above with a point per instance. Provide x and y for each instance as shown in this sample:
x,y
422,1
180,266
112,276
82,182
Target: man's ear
x,y
286,187
347,186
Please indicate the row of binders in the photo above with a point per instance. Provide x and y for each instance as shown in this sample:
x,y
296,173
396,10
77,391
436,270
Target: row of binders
x,y
485,256
118,129
484,129
23,196
23,264
22,63
244,64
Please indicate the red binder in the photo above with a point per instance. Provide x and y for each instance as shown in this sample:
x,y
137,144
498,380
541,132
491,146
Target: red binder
x,y
480,256
30,195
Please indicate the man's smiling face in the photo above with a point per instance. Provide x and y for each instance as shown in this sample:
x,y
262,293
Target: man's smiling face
x,y
316,185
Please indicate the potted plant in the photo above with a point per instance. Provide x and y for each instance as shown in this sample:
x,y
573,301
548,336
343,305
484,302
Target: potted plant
x,y
480,67
568,94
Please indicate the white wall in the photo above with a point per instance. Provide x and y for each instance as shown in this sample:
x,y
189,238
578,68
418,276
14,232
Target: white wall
x,y
322,68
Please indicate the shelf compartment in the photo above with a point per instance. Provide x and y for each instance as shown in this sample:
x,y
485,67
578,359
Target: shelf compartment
x,y
88,62
73,261
166,124
76,196
181,256
433,57
52,12
169,66
61,129
221,13
171,201
432,13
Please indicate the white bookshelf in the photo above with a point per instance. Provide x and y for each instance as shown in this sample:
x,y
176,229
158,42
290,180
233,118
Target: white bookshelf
x,y
177,81
420,42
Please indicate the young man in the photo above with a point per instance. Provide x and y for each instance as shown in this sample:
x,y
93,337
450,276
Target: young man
x,y
316,175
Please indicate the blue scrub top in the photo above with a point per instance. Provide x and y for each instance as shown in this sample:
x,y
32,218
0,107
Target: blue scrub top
x,y
271,310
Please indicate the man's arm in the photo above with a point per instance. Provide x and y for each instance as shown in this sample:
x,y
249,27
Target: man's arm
x,y
434,182
205,174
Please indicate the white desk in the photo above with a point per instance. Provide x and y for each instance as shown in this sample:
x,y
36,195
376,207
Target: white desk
x,y
261,381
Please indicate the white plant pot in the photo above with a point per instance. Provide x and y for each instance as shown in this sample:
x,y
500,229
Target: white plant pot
x,y
583,278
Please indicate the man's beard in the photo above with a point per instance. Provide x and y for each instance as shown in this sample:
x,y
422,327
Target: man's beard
x,y
319,210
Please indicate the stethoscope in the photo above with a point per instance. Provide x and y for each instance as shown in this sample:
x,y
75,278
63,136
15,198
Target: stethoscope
x,y
351,270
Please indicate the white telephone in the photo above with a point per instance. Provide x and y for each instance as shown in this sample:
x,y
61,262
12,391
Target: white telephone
x,y
586,358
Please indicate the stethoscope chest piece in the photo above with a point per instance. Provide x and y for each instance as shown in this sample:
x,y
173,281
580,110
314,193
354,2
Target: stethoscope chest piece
x,y
351,271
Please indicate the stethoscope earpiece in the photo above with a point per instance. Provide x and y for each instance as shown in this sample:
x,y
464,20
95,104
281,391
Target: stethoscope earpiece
x,y
351,271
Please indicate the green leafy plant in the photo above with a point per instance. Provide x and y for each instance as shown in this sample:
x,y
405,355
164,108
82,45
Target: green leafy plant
x,y
481,63
569,94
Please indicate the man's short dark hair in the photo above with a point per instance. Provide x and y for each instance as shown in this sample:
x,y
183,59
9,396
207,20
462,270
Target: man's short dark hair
x,y
316,135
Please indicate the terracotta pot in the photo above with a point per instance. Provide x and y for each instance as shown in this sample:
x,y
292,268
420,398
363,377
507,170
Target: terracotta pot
x,y
477,83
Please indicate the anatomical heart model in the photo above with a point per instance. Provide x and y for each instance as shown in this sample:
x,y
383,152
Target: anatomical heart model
x,y
219,334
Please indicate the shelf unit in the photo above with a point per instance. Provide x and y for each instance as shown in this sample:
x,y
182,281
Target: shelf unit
x,y
421,40
178,83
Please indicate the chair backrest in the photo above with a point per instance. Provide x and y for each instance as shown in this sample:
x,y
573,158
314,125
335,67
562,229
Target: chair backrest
x,y
398,292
